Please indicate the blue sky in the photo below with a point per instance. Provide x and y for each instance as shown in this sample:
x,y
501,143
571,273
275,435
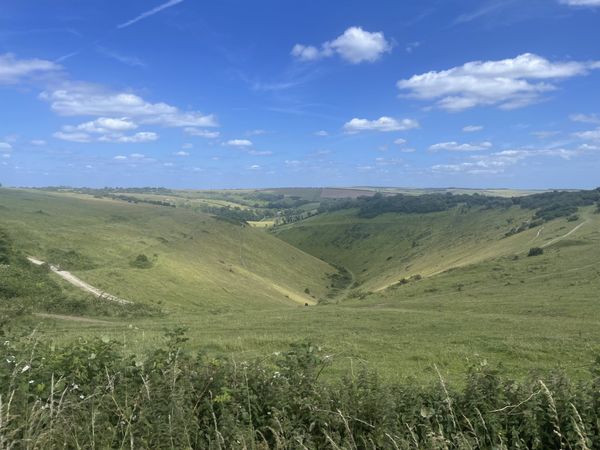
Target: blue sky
x,y
231,94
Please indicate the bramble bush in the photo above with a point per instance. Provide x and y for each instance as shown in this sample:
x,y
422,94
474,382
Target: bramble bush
x,y
92,395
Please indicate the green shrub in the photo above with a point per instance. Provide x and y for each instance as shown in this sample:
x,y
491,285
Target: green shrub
x,y
141,261
91,395
535,251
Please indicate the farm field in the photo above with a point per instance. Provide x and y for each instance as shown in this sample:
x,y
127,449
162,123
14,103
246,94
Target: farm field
x,y
397,292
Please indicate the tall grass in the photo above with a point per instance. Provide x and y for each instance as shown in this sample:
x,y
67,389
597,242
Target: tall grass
x,y
92,395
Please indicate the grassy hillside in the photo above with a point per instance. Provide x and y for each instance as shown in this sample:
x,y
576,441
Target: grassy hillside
x,y
383,250
480,297
197,261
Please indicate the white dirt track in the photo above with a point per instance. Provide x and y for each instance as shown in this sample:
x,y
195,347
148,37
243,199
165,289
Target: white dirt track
x,y
68,276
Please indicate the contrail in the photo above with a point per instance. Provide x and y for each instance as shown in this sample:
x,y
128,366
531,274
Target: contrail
x,y
150,13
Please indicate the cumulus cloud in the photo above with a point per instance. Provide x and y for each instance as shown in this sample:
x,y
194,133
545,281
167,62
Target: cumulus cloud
x,y
584,3
499,162
321,133
103,125
239,143
86,100
13,70
454,146
472,128
508,83
202,133
5,147
38,142
260,152
400,141
182,153
143,136
73,136
591,135
120,157
383,124
585,118
355,45
105,129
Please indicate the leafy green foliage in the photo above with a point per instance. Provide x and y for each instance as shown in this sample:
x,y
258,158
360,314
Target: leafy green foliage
x,y
27,288
91,395
548,205
141,261
535,251
70,259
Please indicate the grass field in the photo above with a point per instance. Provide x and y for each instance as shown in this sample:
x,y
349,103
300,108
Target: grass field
x,y
240,291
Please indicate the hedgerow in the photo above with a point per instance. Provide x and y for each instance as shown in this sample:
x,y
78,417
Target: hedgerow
x,y
92,395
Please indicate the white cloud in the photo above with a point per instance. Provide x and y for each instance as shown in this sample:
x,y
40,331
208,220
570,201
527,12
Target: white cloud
x,y
182,153
5,147
38,142
585,118
592,3
254,167
454,146
13,70
591,135
6,155
142,136
137,156
355,45
382,124
499,162
187,146
86,100
544,134
508,83
150,12
400,141
321,133
239,143
202,133
411,46
306,52
120,157
73,137
103,125
260,152
256,132
472,128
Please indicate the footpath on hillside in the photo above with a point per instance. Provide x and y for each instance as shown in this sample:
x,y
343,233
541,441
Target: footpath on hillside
x,y
69,277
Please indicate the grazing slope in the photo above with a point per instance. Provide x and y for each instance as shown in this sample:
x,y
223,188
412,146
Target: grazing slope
x,y
381,251
194,261
480,296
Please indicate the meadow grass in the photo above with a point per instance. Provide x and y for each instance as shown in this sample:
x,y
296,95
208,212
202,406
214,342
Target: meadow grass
x,y
486,302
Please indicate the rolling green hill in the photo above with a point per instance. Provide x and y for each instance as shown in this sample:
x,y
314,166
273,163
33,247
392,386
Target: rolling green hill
x,y
239,290
197,261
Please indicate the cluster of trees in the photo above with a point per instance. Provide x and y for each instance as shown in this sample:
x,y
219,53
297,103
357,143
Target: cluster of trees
x,y
89,394
111,190
131,199
547,205
377,204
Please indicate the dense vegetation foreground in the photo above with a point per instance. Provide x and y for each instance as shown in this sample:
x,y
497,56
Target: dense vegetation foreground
x,y
91,396
440,321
